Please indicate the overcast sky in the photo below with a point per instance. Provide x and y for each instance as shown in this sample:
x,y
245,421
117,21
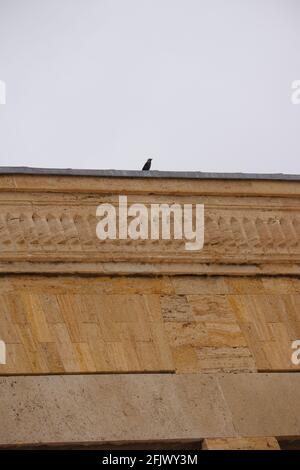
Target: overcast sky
x,y
196,84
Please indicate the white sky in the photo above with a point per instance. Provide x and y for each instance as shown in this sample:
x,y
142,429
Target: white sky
x,y
196,84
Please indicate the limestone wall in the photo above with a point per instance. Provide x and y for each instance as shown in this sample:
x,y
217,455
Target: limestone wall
x,y
104,338
144,324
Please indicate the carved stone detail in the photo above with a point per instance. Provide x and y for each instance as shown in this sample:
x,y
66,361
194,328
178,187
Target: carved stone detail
x,y
50,230
228,233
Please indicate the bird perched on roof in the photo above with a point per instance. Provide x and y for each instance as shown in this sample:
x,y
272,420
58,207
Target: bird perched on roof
x,y
147,165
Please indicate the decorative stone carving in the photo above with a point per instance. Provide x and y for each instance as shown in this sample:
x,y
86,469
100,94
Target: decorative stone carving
x,y
51,231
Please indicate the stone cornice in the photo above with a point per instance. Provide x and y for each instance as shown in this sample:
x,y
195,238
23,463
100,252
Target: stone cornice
x,y
139,185
48,224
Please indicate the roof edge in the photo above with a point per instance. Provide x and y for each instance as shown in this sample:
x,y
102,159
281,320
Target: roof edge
x,y
23,170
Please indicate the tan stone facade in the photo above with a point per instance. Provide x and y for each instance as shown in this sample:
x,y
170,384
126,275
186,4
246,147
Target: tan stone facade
x,y
129,342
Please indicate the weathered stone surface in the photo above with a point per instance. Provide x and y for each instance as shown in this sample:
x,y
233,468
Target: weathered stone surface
x,y
223,359
263,404
138,324
114,408
71,330
239,318
174,186
241,443
95,408
51,227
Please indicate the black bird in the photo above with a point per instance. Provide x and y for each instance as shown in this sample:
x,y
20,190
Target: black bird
x,y
147,165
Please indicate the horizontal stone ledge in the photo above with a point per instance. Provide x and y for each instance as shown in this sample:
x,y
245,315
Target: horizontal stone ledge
x,y
123,408
164,444
127,185
128,268
243,443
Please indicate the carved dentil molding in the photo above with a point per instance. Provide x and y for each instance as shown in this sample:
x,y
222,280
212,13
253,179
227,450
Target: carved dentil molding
x,y
43,231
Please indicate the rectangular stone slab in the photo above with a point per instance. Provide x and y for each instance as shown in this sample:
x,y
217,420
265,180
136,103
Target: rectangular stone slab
x,y
263,404
147,407
96,408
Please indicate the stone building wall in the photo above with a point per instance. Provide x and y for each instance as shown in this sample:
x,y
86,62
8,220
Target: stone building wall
x,y
123,342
